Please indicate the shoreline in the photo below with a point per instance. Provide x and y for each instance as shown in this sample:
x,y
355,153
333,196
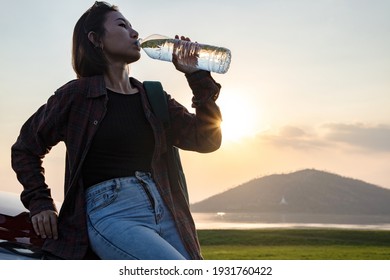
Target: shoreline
x,y
210,221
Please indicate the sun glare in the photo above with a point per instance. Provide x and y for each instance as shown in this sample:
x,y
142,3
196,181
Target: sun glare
x,y
239,117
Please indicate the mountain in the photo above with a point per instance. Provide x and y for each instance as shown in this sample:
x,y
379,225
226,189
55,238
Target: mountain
x,y
307,191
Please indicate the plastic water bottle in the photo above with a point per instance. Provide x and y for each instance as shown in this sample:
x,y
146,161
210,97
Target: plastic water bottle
x,y
200,56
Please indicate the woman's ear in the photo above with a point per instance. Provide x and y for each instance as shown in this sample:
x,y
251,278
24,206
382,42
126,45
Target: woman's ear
x,y
93,38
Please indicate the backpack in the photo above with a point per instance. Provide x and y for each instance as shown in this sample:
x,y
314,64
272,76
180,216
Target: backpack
x,y
158,101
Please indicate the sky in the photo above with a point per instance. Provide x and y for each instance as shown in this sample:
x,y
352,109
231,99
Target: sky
x,y
308,85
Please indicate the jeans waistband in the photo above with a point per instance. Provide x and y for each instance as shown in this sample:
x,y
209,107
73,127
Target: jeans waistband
x,y
138,175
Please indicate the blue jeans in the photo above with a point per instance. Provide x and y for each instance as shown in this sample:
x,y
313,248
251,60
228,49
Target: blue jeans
x,y
127,219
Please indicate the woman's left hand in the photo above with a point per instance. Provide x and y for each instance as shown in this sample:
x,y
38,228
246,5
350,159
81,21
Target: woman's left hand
x,y
190,60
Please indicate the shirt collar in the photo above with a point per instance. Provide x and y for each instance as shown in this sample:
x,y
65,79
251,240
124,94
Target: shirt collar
x,y
96,86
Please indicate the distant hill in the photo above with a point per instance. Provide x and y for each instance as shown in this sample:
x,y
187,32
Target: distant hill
x,y
307,191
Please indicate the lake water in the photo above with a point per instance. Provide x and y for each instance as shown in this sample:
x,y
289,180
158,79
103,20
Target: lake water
x,y
263,221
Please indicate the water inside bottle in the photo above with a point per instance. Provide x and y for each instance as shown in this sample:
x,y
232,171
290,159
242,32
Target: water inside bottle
x,y
158,48
205,57
214,59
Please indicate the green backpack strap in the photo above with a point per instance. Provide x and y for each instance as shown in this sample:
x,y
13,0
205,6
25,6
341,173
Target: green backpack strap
x,y
158,101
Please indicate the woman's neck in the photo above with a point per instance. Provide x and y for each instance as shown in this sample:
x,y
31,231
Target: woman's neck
x,y
117,80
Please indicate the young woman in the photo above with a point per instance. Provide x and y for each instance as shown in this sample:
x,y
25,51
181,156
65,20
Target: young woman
x,y
118,202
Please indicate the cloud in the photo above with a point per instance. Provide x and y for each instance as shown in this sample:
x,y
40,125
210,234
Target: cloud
x,y
356,136
292,132
376,138
293,137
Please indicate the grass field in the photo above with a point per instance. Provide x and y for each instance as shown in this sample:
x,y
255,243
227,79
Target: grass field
x,y
295,244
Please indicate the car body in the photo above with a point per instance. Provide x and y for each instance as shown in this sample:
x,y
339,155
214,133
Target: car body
x,y
17,237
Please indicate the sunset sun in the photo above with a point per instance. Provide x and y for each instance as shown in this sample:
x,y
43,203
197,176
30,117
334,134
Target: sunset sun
x,y
238,117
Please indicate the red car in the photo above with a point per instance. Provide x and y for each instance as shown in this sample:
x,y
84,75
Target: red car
x,y
17,237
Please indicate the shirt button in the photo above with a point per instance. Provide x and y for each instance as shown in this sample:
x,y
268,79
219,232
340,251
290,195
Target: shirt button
x,y
95,122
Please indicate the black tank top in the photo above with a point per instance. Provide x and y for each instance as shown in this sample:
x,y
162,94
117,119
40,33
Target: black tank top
x,y
123,144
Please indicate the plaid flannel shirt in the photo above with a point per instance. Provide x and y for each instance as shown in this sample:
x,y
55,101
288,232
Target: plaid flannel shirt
x,y
72,115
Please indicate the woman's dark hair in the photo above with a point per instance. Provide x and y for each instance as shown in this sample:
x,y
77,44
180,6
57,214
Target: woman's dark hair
x,y
87,59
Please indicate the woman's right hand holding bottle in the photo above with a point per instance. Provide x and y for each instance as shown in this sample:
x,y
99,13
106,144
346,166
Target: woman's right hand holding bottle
x,y
190,58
